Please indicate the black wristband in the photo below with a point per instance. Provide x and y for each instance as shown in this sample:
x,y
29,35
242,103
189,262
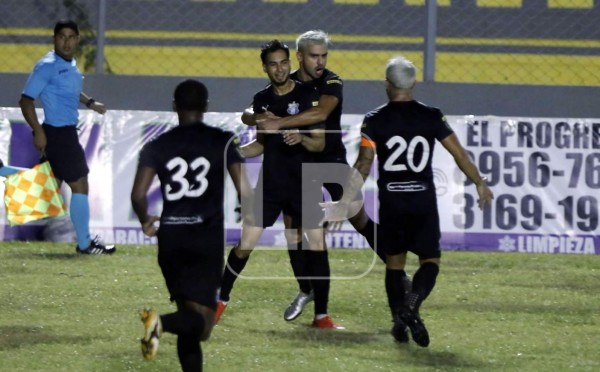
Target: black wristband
x,y
90,102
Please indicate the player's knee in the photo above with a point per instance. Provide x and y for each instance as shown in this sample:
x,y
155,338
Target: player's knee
x,y
206,333
396,261
200,325
79,186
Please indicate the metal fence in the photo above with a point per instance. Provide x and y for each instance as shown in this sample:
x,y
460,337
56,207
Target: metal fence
x,y
547,42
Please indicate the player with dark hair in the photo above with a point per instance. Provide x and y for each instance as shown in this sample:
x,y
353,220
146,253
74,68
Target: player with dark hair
x,y
408,214
281,177
312,49
190,161
57,82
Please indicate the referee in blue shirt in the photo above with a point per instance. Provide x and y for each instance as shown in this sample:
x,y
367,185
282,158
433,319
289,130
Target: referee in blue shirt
x,y
57,82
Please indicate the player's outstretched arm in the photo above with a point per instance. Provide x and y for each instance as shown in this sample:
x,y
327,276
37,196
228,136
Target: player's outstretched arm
x,y
313,115
466,165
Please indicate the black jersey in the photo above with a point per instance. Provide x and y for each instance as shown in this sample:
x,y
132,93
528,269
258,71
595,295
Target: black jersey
x,y
330,84
190,161
404,134
282,164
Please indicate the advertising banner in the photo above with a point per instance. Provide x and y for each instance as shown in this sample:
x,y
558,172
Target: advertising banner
x,y
544,172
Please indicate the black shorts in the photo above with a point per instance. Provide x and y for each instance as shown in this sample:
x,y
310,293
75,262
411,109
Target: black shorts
x,y
307,218
65,154
415,232
191,260
335,190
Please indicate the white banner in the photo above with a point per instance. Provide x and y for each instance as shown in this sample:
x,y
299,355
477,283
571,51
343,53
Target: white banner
x,y
544,172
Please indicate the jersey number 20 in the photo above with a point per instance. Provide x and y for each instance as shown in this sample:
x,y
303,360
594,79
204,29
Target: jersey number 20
x,y
199,166
399,146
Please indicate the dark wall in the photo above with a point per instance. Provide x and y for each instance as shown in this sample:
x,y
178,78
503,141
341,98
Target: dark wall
x,y
233,95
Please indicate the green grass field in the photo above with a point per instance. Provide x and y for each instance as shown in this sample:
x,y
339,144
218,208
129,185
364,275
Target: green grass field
x,y
489,311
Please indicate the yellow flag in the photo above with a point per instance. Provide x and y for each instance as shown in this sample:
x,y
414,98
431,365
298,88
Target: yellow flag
x,y
32,194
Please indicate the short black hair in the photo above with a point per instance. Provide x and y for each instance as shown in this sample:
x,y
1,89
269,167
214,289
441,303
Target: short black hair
x,y
273,46
191,95
66,23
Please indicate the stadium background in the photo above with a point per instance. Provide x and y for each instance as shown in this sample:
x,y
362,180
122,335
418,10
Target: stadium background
x,y
510,57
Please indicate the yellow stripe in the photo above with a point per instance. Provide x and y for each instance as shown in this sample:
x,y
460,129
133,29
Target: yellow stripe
x,y
518,69
422,2
261,38
350,64
579,4
563,43
499,3
359,2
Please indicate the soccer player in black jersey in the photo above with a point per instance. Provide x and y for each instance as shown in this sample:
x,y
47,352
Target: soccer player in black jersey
x,y
190,161
403,133
312,49
281,178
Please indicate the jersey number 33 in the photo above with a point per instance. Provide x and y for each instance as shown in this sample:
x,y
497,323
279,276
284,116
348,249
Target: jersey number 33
x,y
179,168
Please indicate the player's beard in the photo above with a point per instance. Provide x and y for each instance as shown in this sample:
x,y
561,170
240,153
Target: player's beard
x,y
280,83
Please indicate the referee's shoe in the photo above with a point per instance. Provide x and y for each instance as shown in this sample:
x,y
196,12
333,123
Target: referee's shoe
x,y
96,247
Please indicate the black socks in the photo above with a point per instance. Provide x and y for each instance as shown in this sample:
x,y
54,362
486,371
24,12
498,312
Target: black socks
x,y
394,286
297,253
318,267
423,283
235,265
